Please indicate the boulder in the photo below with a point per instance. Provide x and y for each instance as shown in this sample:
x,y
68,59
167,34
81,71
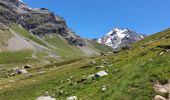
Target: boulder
x,y
101,74
158,88
72,98
158,97
45,98
22,71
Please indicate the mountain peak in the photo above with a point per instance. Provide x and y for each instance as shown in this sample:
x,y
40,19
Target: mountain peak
x,y
119,37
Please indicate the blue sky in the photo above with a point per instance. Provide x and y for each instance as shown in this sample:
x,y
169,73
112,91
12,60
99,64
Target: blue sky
x,y
94,18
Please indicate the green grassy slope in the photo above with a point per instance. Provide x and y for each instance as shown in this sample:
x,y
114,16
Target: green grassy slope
x,y
131,74
62,48
100,47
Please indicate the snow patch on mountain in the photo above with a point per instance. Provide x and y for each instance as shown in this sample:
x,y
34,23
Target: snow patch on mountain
x,y
118,38
20,0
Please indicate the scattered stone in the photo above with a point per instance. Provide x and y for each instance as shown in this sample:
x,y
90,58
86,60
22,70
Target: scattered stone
x,y
93,62
53,95
167,50
46,93
27,66
150,59
158,97
71,77
159,88
109,65
104,62
41,72
101,74
97,67
72,98
161,53
22,71
90,76
109,52
29,75
104,88
12,74
45,98
61,92
61,81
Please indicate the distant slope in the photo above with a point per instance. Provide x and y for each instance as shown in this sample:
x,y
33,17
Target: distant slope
x,y
99,46
131,71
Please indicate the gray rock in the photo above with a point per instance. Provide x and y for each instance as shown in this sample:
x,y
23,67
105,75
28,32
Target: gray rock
x,y
161,53
97,67
29,75
72,98
22,71
101,74
12,74
158,97
103,88
45,98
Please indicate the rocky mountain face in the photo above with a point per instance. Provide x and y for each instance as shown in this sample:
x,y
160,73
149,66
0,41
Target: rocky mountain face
x,y
118,38
38,21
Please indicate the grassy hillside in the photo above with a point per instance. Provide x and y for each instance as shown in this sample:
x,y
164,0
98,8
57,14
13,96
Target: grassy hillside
x,y
62,48
101,47
131,74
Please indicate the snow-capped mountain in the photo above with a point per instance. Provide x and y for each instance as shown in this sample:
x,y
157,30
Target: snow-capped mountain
x,y
118,38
